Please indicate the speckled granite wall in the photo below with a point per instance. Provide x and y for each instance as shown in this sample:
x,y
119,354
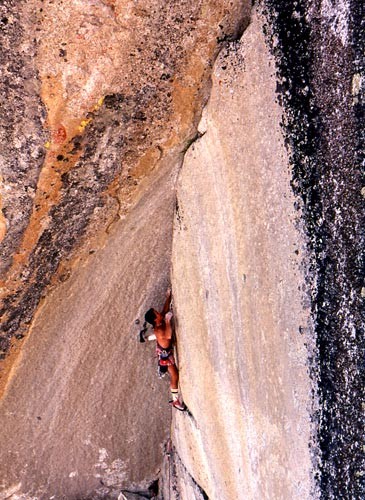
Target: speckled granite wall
x,y
100,102
240,292
94,98
319,79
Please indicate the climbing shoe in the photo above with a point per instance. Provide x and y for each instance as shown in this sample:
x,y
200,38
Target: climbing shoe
x,y
178,405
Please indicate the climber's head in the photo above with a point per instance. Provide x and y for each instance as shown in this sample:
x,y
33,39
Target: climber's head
x,y
154,317
150,316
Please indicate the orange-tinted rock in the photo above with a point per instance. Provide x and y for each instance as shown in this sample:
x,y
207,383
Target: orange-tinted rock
x,y
103,102
59,135
118,81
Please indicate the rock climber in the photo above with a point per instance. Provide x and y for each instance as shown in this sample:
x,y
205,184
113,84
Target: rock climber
x,y
162,328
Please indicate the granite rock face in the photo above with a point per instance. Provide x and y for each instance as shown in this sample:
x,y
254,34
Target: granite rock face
x,y
99,105
239,289
232,331
318,48
214,146
84,413
101,95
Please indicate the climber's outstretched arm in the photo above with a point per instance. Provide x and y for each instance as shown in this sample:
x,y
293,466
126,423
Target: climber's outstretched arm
x,y
166,307
168,326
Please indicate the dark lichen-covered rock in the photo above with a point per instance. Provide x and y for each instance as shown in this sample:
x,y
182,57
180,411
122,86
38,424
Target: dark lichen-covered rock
x,y
22,133
319,66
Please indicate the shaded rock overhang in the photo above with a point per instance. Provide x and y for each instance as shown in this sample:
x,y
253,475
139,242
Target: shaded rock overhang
x,y
93,99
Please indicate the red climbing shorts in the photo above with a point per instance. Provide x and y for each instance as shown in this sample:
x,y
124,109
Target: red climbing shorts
x,y
165,356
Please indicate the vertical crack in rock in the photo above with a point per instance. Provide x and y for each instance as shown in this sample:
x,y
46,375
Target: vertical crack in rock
x,y
123,84
177,483
317,49
239,291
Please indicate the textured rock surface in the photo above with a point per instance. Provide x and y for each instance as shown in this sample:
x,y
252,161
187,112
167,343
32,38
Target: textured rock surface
x,y
239,292
319,83
84,413
99,104
105,92
318,48
98,107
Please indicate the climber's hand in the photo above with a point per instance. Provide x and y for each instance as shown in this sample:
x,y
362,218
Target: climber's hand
x,y
166,307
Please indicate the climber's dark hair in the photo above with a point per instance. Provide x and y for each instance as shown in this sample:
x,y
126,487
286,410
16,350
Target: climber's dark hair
x,y
150,316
